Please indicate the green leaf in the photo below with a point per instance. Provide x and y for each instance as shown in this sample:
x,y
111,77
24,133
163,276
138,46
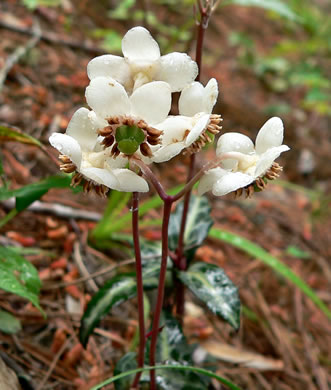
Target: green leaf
x,y
198,370
116,203
122,11
172,348
297,252
8,323
114,292
277,265
277,6
18,276
210,284
171,342
28,194
197,227
127,363
12,134
33,4
1,166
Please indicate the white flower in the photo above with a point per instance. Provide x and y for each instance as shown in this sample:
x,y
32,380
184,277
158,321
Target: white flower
x,y
195,106
82,152
142,63
243,164
150,102
147,106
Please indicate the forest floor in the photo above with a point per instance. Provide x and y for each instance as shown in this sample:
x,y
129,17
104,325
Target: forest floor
x,y
287,337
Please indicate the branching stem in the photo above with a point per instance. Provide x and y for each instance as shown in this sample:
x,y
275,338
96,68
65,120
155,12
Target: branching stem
x,y
205,13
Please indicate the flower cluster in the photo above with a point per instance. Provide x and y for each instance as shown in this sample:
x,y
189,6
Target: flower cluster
x,y
129,119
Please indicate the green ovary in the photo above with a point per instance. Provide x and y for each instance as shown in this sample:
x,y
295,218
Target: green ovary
x,y
129,138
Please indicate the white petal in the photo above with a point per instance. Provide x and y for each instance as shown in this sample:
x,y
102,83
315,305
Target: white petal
x,y
138,44
233,142
82,129
107,97
267,158
97,121
109,65
197,129
166,153
210,95
230,182
101,176
177,69
209,179
191,99
118,162
270,135
68,146
174,129
151,102
130,181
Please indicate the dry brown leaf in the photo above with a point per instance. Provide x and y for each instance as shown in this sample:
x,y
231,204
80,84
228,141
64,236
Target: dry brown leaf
x,y
235,355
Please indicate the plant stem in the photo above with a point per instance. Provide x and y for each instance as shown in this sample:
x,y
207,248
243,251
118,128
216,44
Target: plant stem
x,y
205,13
160,291
140,287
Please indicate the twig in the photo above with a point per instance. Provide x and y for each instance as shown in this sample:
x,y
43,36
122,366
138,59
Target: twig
x,y
53,364
82,267
53,38
91,276
312,354
56,209
18,54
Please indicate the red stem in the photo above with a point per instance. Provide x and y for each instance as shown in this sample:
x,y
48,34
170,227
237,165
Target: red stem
x,y
140,287
160,291
181,260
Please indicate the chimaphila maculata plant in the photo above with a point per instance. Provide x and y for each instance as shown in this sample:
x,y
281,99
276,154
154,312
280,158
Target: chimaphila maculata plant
x,y
129,127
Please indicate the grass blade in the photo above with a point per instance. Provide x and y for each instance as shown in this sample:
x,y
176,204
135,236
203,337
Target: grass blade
x,y
198,370
277,265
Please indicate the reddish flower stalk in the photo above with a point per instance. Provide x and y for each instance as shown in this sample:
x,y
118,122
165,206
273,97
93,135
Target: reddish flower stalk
x,y
160,290
140,287
205,13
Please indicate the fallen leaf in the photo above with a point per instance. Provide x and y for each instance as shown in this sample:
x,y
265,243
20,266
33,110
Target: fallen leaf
x,y
235,355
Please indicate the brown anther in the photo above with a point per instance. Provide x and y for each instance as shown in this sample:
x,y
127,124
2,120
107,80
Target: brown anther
x,y
260,183
101,190
108,141
142,124
65,159
106,131
271,175
115,151
146,150
207,138
154,132
153,141
249,190
114,120
213,130
68,167
88,185
238,193
276,168
76,180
